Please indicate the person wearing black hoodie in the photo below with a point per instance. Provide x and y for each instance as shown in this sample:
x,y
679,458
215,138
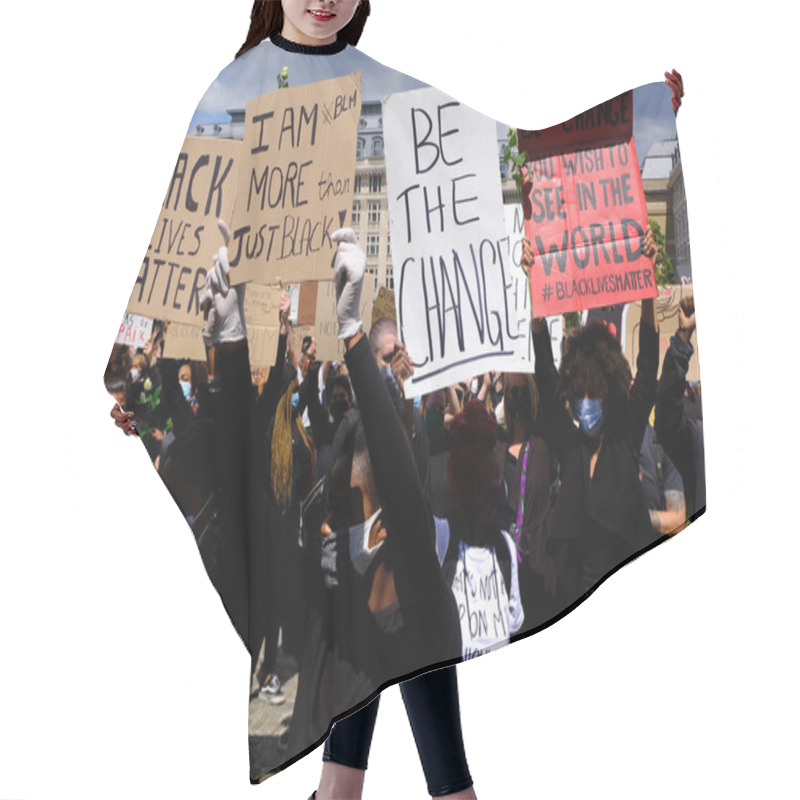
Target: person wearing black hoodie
x,y
594,418
680,434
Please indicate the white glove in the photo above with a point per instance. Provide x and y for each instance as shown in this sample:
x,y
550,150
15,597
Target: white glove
x,y
348,278
222,303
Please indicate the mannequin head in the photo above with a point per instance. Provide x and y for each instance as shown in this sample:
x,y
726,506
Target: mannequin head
x,y
291,18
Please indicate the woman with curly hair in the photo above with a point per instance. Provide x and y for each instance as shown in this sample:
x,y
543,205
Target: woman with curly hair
x,y
593,414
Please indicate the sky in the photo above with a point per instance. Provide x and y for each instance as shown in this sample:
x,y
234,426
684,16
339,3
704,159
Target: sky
x,y
239,81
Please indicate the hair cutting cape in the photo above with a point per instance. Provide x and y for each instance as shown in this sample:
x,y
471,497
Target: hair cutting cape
x,y
338,532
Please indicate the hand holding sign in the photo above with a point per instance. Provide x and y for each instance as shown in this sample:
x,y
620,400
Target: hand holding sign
x,y
348,278
222,303
401,366
284,309
650,249
526,262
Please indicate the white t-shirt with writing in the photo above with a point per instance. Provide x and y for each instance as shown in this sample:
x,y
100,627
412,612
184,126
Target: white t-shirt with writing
x,y
487,614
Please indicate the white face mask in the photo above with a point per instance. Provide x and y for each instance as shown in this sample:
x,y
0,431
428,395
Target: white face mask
x,y
135,374
187,389
361,554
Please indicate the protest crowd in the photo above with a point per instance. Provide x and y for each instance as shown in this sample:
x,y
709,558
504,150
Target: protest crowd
x,y
453,522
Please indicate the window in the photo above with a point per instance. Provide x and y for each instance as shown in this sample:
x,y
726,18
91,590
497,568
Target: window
x,y
357,184
377,147
373,245
373,273
360,148
375,183
356,214
374,208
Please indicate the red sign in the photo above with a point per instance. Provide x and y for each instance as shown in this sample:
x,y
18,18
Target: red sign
x,y
585,212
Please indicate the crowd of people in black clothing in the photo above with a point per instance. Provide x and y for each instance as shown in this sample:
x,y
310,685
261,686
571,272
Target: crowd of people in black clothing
x,y
367,535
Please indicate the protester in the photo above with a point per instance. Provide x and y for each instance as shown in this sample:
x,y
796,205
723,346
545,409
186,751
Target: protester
x,y
680,434
377,543
528,479
391,357
479,560
433,410
600,519
661,485
188,386
329,426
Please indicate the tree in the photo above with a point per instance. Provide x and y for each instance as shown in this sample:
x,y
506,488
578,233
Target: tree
x,y
665,270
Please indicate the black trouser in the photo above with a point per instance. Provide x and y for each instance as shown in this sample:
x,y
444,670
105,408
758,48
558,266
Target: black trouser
x,y
433,711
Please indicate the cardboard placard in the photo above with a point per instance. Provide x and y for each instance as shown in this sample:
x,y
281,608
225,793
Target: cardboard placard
x,y
307,303
134,330
519,301
667,303
449,242
585,212
384,306
296,181
326,323
261,305
202,189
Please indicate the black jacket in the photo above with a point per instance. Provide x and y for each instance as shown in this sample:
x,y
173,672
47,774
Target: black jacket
x,y
351,653
681,438
597,523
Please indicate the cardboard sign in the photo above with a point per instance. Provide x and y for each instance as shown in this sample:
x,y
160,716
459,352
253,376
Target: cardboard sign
x,y
184,341
134,330
326,323
296,181
202,189
449,243
667,303
261,305
384,306
585,212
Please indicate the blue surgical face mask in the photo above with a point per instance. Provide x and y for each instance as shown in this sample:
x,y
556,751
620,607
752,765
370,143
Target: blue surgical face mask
x,y
590,415
187,390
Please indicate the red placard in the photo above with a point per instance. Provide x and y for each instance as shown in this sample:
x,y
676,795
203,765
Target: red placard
x,y
585,212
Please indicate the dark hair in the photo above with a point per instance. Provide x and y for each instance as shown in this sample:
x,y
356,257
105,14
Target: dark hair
x,y
592,364
266,19
115,383
306,343
472,436
341,381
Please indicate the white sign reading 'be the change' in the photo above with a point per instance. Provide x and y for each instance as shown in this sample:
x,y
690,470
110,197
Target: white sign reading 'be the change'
x,y
450,248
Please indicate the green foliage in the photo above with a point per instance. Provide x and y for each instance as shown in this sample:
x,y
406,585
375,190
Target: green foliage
x,y
666,274
150,400
283,78
515,160
572,320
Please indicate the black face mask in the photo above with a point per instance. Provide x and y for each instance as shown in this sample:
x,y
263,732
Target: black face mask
x,y
339,409
518,404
